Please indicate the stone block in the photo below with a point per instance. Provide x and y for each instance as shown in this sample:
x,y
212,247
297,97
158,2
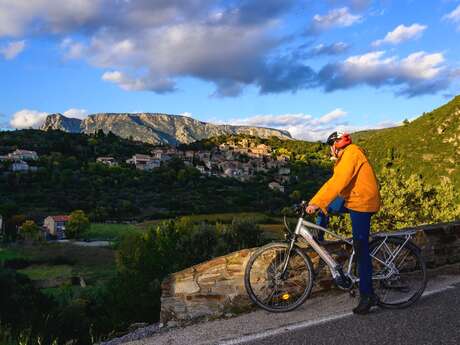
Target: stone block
x,y
186,287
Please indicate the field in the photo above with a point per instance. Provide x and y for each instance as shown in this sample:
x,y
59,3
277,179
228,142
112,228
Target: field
x,y
61,260
271,225
50,261
109,232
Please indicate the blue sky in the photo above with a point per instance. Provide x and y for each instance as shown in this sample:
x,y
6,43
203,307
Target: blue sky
x,y
305,66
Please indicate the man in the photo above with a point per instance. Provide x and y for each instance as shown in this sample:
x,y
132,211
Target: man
x,y
352,188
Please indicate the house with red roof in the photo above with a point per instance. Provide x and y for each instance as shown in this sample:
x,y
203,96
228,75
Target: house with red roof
x,y
55,226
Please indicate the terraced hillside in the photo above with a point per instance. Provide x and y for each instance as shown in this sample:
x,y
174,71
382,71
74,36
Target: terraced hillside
x,y
429,145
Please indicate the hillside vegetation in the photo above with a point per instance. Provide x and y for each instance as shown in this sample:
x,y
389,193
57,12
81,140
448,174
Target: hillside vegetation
x,y
69,178
429,145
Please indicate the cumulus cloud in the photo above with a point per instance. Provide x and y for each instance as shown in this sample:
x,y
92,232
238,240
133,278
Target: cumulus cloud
x,y
76,113
12,49
401,34
328,49
454,16
231,46
18,17
418,73
338,17
150,83
27,118
300,125
306,127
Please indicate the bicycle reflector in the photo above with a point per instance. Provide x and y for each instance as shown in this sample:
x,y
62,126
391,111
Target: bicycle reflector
x,y
285,296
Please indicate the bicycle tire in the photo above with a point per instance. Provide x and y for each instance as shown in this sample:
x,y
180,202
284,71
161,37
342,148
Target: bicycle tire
x,y
308,270
412,250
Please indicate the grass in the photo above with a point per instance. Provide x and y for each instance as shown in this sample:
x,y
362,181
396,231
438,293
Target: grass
x,y
224,218
94,264
9,254
40,272
109,232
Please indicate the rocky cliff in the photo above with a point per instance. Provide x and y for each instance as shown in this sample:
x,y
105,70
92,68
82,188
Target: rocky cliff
x,y
154,128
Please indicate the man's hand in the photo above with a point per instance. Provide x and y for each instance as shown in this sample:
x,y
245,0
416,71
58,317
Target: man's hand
x,y
312,209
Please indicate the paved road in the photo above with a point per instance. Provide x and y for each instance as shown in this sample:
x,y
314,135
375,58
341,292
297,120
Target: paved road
x,y
327,319
433,320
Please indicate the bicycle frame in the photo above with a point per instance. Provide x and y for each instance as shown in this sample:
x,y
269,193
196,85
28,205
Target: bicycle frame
x,y
302,230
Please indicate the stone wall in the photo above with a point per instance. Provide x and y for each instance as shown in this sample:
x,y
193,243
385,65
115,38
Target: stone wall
x,y
216,288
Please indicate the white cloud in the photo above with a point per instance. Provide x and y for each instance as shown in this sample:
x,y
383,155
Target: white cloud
x,y
76,113
12,49
338,17
18,16
186,113
328,49
454,16
401,34
418,73
159,85
300,125
72,49
27,118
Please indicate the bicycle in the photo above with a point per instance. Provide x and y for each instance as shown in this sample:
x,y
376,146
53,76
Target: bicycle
x,y
279,276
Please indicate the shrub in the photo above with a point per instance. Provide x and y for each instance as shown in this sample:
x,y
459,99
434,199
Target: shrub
x,y
78,223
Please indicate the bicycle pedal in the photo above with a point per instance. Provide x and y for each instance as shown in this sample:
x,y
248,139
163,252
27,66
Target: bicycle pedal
x,y
352,293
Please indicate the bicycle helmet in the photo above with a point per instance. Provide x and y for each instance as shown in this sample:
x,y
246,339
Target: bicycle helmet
x,y
340,139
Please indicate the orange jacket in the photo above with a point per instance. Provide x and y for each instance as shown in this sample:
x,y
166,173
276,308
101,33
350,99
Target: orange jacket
x,y
354,180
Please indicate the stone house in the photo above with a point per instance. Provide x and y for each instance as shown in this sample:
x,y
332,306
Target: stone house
x,y
276,186
158,153
261,150
139,159
110,161
150,165
189,155
23,155
55,226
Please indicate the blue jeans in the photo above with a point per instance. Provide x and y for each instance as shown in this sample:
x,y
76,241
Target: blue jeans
x,y
361,224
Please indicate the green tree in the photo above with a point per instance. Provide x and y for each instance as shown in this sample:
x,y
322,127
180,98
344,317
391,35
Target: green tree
x,y
29,230
78,223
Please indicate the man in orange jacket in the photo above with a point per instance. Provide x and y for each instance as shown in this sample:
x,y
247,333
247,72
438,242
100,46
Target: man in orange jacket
x,y
353,188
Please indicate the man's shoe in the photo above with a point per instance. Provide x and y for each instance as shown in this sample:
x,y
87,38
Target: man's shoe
x,y
365,304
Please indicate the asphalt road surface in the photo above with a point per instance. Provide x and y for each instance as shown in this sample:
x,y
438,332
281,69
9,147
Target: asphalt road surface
x,y
327,319
435,319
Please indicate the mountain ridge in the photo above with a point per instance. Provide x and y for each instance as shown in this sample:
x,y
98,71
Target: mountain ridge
x,y
154,128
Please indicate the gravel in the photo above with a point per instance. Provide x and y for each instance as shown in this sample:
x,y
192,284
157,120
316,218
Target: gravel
x,y
140,333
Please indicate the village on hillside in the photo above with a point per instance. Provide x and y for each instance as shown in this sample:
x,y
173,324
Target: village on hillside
x,y
239,159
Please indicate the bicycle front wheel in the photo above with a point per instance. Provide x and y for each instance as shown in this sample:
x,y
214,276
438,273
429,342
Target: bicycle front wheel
x,y
399,272
266,284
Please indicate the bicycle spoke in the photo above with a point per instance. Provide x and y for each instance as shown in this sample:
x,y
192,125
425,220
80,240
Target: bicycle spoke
x,y
272,289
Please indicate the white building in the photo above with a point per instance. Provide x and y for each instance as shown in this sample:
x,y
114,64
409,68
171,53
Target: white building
x,y
23,155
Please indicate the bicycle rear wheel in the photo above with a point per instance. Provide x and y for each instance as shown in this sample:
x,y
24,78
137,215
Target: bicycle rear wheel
x,y
405,275
267,287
